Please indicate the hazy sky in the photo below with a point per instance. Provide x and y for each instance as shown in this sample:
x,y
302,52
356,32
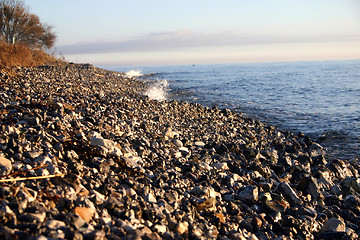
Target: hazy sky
x,y
155,32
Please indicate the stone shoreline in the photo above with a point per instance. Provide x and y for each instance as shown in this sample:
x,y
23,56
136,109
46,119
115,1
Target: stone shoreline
x,y
128,167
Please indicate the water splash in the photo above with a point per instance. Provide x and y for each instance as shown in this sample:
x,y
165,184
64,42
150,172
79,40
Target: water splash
x,y
134,73
158,90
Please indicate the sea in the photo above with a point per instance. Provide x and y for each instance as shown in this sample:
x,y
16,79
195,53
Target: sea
x,y
318,98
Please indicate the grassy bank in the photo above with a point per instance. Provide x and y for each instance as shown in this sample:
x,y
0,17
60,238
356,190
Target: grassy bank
x,y
19,55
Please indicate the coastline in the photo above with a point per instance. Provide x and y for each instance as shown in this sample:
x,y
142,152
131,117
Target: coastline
x,y
136,167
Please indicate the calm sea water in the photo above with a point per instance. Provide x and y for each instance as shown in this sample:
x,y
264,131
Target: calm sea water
x,y
320,99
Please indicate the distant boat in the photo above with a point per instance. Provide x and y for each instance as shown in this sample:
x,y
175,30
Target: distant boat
x,y
193,65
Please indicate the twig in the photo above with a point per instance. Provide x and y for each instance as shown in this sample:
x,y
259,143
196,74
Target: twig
x,y
24,171
22,109
30,178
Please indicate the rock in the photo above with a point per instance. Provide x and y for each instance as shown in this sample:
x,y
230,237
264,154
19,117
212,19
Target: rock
x,y
55,224
33,217
184,150
77,221
130,192
277,205
106,143
5,165
41,237
208,204
169,133
249,193
354,183
253,237
33,154
289,193
310,186
182,227
171,197
85,213
178,143
150,198
99,198
72,155
204,166
334,224
220,166
105,220
5,192
199,144
352,202
161,229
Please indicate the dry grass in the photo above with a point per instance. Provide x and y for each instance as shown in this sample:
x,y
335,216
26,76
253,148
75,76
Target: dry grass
x,y
19,55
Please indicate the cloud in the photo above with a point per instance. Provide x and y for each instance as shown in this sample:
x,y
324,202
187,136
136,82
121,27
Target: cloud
x,y
188,39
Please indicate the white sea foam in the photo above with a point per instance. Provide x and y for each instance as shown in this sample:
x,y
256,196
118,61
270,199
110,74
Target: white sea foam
x,y
134,73
158,90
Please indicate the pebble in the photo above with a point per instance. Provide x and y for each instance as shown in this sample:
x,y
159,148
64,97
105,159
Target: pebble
x,y
55,224
136,168
5,165
220,166
150,198
182,227
334,224
249,193
289,193
85,213
199,144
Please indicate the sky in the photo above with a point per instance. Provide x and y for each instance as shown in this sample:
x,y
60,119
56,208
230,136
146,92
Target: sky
x,y
166,32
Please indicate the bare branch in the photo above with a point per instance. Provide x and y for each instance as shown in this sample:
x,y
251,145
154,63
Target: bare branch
x,y
18,25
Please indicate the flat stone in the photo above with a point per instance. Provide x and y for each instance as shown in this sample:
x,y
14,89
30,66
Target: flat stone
x,y
150,198
55,224
184,149
5,165
289,193
208,204
130,192
220,166
106,143
85,213
33,217
199,144
99,198
106,220
33,154
249,193
204,166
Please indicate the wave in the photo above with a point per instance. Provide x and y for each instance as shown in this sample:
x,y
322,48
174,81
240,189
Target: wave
x,y
158,90
134,73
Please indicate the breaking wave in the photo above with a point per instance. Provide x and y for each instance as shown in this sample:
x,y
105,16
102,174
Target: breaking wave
x,y
134,73
158,90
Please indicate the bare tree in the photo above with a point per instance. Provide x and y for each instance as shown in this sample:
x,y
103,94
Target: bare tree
x,y
18,25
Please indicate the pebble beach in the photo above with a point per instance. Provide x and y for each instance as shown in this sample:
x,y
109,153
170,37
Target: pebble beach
x,y
84,154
